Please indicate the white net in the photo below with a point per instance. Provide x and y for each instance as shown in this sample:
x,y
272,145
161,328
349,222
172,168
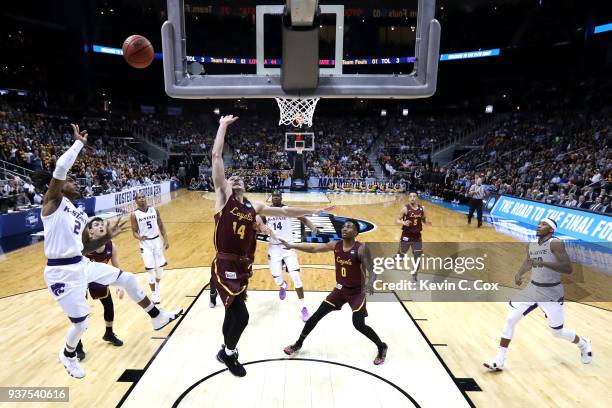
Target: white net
x,y
296,111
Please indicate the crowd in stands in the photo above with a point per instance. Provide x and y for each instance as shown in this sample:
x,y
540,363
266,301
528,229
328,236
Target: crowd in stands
x,y
563,158
35,141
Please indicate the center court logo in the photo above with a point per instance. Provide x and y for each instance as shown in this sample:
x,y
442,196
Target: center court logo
x,y
329,226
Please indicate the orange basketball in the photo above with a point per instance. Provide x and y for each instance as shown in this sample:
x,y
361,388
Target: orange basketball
x,y
138,51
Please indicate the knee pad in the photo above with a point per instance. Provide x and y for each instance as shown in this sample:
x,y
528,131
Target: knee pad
x,y
358,320
158,273
80,327
152,274
295,277
514,316
128,282
563,333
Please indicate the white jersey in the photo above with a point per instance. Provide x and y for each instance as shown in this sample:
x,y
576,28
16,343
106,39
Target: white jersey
x,y
543,252
281,226
147,222
63,231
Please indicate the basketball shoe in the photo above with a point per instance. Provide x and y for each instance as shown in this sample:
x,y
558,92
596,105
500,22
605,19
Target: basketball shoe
x,y
71,364
164,317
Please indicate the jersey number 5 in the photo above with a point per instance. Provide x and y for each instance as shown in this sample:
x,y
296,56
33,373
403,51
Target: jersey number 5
x,y
240,230
149,224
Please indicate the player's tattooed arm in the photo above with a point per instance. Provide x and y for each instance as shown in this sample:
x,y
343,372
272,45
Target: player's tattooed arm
x,y
222,187
112,230
310,248
162,229
309,224
563,264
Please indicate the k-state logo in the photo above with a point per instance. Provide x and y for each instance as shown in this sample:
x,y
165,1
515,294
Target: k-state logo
x,y
329,227
57,288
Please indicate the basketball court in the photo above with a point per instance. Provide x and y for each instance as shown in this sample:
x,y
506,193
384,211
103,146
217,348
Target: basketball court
x,y
436,348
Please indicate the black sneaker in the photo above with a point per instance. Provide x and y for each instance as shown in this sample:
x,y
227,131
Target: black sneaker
x,y
294,348
80,353
232,363
382,354
112,338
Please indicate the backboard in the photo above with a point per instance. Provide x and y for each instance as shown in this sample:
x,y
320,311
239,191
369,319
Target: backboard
x,y
299,141
367,49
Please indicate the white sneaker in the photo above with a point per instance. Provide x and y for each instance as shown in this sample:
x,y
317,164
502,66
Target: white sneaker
x,y
155,298
71,364
164,317
496,365
586,353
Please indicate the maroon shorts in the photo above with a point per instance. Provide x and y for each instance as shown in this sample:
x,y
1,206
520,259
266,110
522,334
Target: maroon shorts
x,y
231,279
408,241
355,297
97,291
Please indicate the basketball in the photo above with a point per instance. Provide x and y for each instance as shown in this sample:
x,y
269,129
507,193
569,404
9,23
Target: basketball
x,y
138,51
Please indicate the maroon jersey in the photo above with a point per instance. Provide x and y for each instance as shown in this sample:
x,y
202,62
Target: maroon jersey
x,y
104,256
415,216
348,266
234,233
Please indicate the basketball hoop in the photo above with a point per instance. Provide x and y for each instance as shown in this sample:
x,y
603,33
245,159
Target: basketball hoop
x,y
299,150
296,111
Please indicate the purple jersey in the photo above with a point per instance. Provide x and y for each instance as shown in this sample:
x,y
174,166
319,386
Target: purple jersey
x,y
348,266
234,233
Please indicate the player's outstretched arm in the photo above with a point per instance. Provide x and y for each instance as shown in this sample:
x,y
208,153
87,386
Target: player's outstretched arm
x,y
53,196
525,267
293,212
112,230
309,224
310,248
115,263
425,219
222,188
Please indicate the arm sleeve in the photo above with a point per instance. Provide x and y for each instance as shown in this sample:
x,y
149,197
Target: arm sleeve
x,y
66,160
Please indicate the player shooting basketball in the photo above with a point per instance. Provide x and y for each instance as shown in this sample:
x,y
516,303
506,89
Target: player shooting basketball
x,y
234,240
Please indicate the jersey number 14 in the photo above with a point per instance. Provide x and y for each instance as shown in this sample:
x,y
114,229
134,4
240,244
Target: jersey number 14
x,y
240,229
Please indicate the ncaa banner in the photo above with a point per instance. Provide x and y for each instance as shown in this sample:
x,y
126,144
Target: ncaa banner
x,y
583,225
127,197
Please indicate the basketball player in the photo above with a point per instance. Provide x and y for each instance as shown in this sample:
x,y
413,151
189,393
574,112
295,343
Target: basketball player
x,y
351,258
547,259
281,226
411,218
234,239
68,273
146,228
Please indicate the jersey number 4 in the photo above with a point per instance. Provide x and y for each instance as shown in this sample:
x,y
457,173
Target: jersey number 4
x,y
240,230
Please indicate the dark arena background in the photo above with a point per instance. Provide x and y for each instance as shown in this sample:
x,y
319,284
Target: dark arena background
x,y
466,144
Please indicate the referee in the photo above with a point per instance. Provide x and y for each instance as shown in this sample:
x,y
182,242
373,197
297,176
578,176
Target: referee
x,y
476,193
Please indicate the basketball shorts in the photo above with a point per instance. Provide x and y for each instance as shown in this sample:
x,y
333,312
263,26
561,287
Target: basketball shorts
x,y
152,252
68,284
553,310
231,279
355,297
408,241
278,255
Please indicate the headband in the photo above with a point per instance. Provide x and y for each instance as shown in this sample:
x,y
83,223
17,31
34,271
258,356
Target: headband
x,y
551,223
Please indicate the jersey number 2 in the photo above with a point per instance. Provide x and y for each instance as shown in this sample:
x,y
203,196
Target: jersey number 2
x,y
240,230
77,227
